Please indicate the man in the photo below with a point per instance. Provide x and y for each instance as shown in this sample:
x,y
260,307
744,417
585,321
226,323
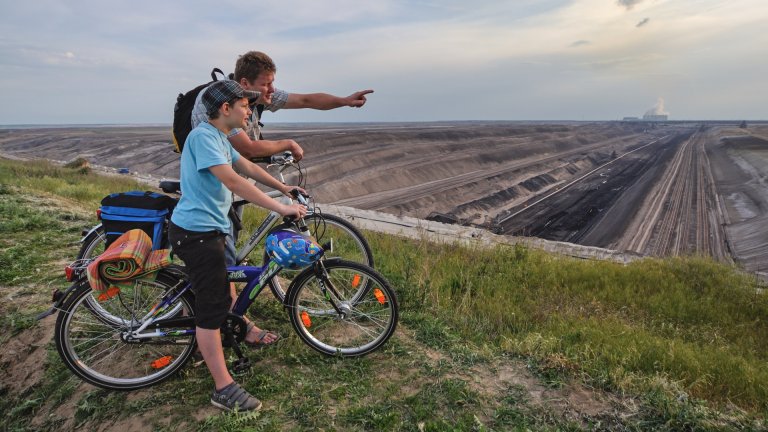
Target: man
x,y
200,224
255,71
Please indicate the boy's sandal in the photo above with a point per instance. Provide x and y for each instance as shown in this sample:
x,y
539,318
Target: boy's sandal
x,y
259,342
197,358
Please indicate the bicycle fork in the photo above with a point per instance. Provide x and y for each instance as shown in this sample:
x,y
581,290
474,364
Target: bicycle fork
x,y
327,288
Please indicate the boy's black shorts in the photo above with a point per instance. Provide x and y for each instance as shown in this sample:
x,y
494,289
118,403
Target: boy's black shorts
x,y
203,256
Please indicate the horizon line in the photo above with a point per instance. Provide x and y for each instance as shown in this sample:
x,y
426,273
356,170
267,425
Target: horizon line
x,y
53,125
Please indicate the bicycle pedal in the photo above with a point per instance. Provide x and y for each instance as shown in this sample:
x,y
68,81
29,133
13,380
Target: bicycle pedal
x,y
241,365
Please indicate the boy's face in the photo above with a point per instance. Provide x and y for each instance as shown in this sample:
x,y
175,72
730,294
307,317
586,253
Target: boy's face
x,y
239,112
263,84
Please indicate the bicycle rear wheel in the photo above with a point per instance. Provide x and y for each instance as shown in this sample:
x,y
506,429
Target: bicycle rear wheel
x,y
101,352
361,322
93,246
348,243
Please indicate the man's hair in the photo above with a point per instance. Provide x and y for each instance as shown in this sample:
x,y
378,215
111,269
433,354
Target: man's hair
x,y
217,113
252,64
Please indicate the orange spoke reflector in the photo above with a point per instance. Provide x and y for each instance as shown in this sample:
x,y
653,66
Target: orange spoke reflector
x,y
305,319
379,296
161,362
356,281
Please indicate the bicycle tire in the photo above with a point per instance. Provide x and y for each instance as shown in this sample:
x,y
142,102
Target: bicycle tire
x,y
368,321
348,243
94,350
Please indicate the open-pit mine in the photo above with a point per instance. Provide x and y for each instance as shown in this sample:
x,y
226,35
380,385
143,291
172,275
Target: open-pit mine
x,y
662,189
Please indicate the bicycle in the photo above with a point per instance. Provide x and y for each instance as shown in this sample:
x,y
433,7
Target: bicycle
x,y
326,305
346,241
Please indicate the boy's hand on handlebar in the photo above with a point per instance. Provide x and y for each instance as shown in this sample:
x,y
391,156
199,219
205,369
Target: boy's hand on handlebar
x,y
296,210
288,191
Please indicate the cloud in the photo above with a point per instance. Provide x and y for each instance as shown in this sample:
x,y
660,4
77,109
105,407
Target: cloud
x,y
629,4
557,50
580,42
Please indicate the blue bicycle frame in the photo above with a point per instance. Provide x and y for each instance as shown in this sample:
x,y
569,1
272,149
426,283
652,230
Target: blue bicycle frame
x,y
256,278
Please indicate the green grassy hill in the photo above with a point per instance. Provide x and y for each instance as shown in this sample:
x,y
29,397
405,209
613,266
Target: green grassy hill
x,y
506,338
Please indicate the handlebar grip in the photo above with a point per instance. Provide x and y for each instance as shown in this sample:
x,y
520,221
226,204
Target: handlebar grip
x,y
261,159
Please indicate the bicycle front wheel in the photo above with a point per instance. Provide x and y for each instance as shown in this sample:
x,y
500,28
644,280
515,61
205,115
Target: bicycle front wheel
x,y
104,354
348,243
334,316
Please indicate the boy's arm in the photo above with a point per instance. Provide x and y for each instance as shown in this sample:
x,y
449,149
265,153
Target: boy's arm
x,y
261,175
240,187
260,148
325,101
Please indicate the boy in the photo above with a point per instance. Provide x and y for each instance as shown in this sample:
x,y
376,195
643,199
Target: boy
x,y
199,225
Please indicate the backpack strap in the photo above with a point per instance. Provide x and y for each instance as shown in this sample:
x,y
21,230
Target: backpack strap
x,y
259,110
213,74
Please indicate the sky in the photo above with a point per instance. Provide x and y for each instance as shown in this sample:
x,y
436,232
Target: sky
x,y
95,62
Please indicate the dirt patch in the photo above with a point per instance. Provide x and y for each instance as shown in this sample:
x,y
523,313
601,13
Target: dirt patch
x,y
492,381
23,356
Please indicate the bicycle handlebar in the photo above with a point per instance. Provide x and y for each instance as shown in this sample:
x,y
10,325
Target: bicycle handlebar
x,y
282,159
300,197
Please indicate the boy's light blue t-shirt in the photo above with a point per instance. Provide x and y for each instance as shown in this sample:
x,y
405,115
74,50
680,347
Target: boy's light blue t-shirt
x,y
205,201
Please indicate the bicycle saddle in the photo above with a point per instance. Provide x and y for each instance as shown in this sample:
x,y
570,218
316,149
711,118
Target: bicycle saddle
x,y
169,186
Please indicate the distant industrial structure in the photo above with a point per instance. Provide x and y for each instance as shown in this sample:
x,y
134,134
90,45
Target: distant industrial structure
x,y
655,114
648,118
655,117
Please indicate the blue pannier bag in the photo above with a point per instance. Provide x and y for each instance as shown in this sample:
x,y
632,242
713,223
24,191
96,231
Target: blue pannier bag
x,y
148,211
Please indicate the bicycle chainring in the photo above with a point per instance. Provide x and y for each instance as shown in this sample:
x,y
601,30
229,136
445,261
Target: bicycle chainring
x,y
236,326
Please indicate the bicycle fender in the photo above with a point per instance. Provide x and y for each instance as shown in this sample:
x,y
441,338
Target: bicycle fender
x,y
86,234
60,297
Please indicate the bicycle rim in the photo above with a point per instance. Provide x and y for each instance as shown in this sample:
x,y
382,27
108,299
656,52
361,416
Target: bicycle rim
x,y
348,244
367,322
96,352
93,246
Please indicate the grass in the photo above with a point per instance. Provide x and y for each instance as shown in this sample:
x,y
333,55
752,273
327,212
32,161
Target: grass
x,y
674,344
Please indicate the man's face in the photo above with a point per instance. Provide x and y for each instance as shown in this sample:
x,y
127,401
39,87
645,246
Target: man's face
x,y
239,112
263,84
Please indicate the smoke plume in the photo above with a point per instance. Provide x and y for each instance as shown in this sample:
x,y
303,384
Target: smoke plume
x,y
658,109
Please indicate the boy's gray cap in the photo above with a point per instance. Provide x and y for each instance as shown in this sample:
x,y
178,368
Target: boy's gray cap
x,y
224,91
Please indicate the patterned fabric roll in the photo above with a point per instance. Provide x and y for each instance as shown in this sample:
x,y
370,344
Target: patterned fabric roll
x,y
130,257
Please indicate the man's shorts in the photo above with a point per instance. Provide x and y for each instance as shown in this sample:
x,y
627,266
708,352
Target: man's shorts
x,y
203,256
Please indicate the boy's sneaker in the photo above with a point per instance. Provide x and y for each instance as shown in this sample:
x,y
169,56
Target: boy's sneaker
x,y
234,397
